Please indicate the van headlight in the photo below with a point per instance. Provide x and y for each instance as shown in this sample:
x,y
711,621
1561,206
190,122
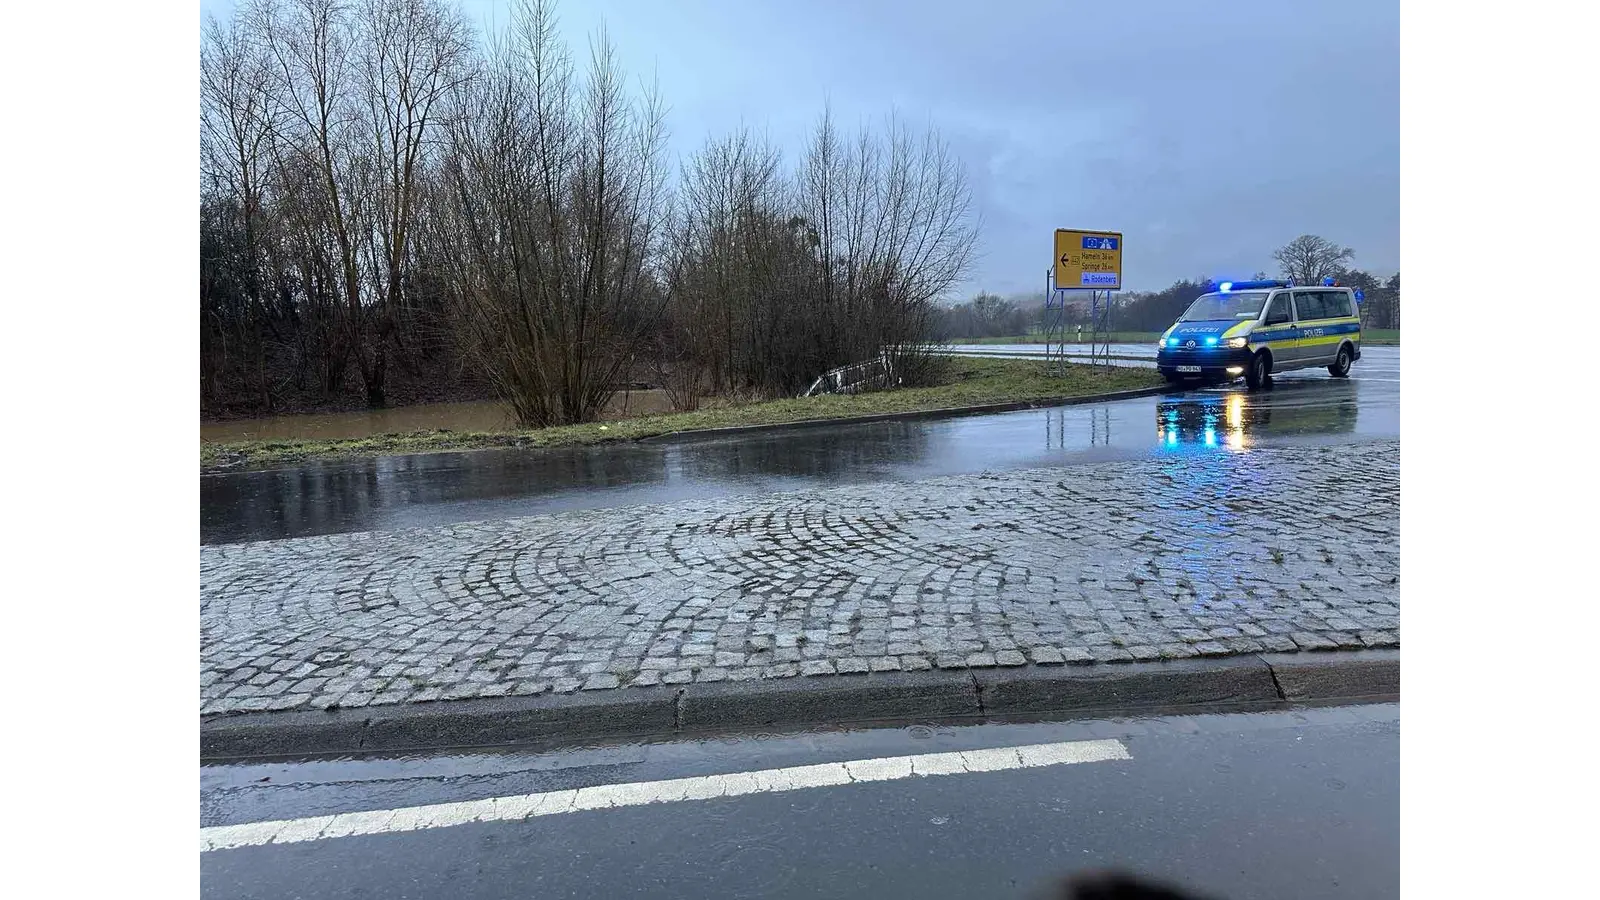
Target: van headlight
x,y
1238,343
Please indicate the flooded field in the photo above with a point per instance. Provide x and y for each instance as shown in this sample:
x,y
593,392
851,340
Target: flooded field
x,y
478,415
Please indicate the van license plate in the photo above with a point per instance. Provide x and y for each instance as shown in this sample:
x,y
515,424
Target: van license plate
x,y
1195,369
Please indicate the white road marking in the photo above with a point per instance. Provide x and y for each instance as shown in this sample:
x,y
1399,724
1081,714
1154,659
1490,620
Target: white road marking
x,y
609,796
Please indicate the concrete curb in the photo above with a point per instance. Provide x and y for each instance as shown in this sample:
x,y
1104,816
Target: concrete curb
x,y
1313,677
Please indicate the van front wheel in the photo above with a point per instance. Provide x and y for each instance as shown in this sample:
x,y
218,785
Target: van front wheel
x,y
1256,376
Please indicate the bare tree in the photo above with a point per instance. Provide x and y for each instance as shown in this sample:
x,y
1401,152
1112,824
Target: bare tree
x,y
724,268
891,216
317,153
236,123
413,56
353,89
775,280
558,196
1308,259
1392,288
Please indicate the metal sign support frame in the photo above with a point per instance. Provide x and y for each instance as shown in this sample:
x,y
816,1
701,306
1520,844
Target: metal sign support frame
x,y
1055,327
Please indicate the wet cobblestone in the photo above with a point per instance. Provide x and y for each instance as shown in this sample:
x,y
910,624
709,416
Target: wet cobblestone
x,y
1165,558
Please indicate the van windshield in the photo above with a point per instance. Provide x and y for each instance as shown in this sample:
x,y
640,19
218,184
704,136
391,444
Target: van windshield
x,y
1232,305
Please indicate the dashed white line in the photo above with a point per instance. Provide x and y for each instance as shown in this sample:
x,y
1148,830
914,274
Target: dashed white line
x,y
611,796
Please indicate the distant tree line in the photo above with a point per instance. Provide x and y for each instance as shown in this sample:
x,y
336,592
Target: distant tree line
x,y
1307,259
989,315
1155,310
386,202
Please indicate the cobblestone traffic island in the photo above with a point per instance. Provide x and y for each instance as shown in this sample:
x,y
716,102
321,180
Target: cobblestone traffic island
x,y
1193,554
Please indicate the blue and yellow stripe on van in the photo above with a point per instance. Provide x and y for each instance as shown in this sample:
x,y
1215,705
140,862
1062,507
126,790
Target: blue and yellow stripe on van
x,y
1315,333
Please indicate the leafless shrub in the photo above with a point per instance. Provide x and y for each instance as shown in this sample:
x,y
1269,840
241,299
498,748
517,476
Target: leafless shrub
x,y
775,280
557,194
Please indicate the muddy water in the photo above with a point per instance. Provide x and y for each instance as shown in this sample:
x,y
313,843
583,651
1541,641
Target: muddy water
x,y
479,415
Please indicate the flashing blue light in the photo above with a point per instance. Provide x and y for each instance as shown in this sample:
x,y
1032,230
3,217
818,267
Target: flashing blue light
x,y
1249,285
1211,437
1211,342
1328,282
1172,438
1360,296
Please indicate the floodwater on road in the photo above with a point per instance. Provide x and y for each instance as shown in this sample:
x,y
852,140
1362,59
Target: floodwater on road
x,y
433,489
491,415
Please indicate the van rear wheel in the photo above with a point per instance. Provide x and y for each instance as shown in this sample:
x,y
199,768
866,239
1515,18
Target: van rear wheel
x,y
1341,363
1256,376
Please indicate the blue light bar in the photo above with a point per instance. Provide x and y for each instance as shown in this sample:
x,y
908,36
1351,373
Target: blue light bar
x,y
1249,285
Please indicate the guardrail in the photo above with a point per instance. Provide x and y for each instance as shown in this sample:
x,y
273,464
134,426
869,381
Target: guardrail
x,y
1003,352
872,374
875,374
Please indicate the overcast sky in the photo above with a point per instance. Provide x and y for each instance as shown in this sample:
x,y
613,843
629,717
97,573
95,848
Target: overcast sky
x,y
1209,133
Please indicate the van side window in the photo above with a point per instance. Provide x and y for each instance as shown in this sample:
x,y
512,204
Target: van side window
x,y
1278,311
1308,305
1330,303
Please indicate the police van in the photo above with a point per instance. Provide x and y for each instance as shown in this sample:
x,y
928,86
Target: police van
x,y
1257,328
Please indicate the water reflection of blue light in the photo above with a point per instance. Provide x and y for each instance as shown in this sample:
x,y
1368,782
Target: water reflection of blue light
x,y
1204,425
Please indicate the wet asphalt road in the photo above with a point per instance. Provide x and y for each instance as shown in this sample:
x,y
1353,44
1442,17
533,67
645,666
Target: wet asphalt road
x,y
397,492
1269,804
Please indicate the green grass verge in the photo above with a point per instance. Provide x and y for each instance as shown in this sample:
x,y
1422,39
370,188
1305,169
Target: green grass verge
x,y
972,382
1380,336
1116,337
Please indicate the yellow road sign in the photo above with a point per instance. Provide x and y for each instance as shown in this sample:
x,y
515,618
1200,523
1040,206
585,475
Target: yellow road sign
x,y
1089,260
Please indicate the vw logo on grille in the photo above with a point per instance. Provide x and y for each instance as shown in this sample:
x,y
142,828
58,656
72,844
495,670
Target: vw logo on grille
x,y
1189,344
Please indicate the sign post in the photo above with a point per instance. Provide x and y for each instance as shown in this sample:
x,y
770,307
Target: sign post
x,y
1083,261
